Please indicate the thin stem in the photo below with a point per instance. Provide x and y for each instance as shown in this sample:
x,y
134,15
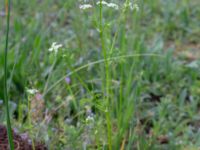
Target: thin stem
x,y
9,130
108,120
50,73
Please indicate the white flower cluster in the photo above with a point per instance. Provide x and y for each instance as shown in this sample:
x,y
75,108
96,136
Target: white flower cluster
x,y
54,47
110,5
131,6
89,119
85,6
32,91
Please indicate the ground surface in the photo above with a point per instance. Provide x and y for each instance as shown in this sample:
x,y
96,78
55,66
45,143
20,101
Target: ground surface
x,y
21,141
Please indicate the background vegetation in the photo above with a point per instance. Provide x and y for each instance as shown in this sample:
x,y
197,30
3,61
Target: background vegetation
x,y
123,79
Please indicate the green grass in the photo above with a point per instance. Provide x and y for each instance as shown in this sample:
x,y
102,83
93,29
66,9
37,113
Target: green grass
x,y
6,101
125,68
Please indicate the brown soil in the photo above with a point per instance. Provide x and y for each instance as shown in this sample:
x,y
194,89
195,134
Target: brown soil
x,y
188,51
20,143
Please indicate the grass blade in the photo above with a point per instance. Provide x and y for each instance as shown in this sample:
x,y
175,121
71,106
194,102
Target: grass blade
x,y
9,130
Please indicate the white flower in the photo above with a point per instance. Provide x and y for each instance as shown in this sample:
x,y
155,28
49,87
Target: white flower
x,y
54,47
89,119
85,6
102,2
111,5
32,91
135,7
132,6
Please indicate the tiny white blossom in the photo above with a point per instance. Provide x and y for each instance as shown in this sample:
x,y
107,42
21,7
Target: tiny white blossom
x,y
132,6
54,47
32,91
111,5
89,119
135,7
102,2
85,6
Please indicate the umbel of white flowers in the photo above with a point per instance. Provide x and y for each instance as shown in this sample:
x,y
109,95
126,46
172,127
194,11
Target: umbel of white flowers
x,y
54,47
32,91
85,6
111,5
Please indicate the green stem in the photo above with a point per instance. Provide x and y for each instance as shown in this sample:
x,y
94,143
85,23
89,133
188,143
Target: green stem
x,y
109,130
9,130
50,73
